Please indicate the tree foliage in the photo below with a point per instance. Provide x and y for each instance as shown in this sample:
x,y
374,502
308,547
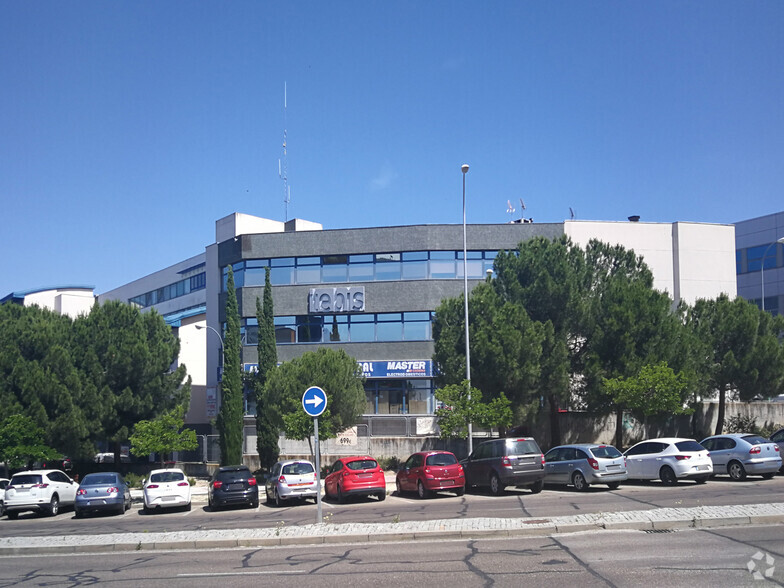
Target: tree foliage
x,y
266,431
163,435
335,372
20,442
460,409
230,416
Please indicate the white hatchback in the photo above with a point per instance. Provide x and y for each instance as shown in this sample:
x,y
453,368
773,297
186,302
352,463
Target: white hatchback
x,y
669,459
167,488
43,491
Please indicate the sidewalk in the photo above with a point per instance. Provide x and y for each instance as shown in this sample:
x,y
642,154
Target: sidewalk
x,y
645,520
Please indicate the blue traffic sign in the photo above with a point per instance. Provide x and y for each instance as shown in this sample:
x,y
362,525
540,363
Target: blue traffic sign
x,y
314,401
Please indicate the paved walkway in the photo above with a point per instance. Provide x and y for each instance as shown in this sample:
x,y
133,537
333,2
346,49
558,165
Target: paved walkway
x,y
654,519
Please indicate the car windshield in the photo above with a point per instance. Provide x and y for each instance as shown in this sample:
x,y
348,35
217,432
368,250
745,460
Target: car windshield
x,y
521,447
25,479
441,459
362,464
298,469
755,439
606,451
689,446
167,477
99,479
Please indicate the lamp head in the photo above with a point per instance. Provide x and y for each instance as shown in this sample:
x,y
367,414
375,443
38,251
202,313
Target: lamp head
x,y
780,240
464,167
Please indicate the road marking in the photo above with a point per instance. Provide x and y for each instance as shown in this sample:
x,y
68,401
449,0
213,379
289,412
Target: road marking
x,y
261,573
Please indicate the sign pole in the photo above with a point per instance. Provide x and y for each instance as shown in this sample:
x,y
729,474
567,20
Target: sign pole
x,y
319,519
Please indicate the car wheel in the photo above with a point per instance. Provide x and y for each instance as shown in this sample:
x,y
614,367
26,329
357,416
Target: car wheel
x,y
78,514
188,506
537,487
267,494
614,485
495,485
667,476
54,506
254,505
121,508
278,501
341,498
381,496
422,492
398,489
147,510
736,471
460,491
766,476
12,514
578,480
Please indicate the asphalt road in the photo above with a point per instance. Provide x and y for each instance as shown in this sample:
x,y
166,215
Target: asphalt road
x,y
553,501
695,557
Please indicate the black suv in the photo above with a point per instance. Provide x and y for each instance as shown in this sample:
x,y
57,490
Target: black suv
x,y
233,485
505,462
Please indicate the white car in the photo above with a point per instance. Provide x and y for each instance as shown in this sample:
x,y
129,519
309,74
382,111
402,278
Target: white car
x,y
3,484
669,459
167,488
43,491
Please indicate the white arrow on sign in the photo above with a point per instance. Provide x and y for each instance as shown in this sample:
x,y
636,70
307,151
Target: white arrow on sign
x,y
315,401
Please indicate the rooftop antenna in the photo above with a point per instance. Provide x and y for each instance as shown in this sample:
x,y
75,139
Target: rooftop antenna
x,y
510,209
571,213
283,171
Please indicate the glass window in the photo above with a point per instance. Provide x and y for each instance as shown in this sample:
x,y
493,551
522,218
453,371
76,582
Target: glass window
x,y
414,270
441,459
335,273
388,270
443,269
308,261
389,331
362,258
282,262
442,255
362,332
335,260
416,331
281,276
257,263
360,272
387,257
256,276
308,274
414,256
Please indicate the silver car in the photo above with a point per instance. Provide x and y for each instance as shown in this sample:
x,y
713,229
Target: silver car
x,y
585,464
293,479
740,454
101,492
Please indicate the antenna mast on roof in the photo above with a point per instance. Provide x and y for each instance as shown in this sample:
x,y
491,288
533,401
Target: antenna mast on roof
x,y
283,171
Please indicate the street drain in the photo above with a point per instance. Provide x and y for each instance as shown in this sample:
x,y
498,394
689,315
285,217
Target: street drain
x,y
649,531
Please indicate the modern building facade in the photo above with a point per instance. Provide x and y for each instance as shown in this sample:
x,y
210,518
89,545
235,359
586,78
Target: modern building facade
x,y
759,258
373,291
68,300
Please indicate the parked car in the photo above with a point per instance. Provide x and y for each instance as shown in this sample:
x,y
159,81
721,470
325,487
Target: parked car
x,y
43,491
740,454
669,459
585,464
355,476
499,463
431,471
232,485
101,492
166,488
778,438
293,479
3,484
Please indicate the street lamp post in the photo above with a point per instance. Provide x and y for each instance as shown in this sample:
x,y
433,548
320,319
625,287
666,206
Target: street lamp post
x,y
464,168
762,268
199,328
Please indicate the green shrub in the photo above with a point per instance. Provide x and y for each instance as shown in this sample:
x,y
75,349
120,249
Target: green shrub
x,y
134,480
391,464
746,424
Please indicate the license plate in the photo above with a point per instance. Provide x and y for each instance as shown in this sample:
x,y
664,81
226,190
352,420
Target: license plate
x,y
168,498
364,475
447,482
232,487
613,467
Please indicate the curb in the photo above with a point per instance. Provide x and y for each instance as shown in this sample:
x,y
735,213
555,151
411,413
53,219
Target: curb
x,y
446,529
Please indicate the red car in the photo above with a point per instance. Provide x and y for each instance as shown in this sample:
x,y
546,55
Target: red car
x,y
431,471
352,476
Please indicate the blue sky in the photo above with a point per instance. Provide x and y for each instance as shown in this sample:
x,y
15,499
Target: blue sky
x,y
128,128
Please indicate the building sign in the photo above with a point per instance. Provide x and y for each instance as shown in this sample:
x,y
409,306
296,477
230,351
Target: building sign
x,y
212,402
348,438
397,369
351,299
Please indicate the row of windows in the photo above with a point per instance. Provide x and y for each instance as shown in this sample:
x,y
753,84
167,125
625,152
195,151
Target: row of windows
x,y
751,259
343,328
175,290
385,397
368,267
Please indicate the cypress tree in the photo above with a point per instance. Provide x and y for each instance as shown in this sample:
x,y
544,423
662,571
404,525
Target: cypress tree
x,y
266,431
229,422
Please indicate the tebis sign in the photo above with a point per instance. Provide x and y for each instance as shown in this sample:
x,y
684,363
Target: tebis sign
x,y
350,299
